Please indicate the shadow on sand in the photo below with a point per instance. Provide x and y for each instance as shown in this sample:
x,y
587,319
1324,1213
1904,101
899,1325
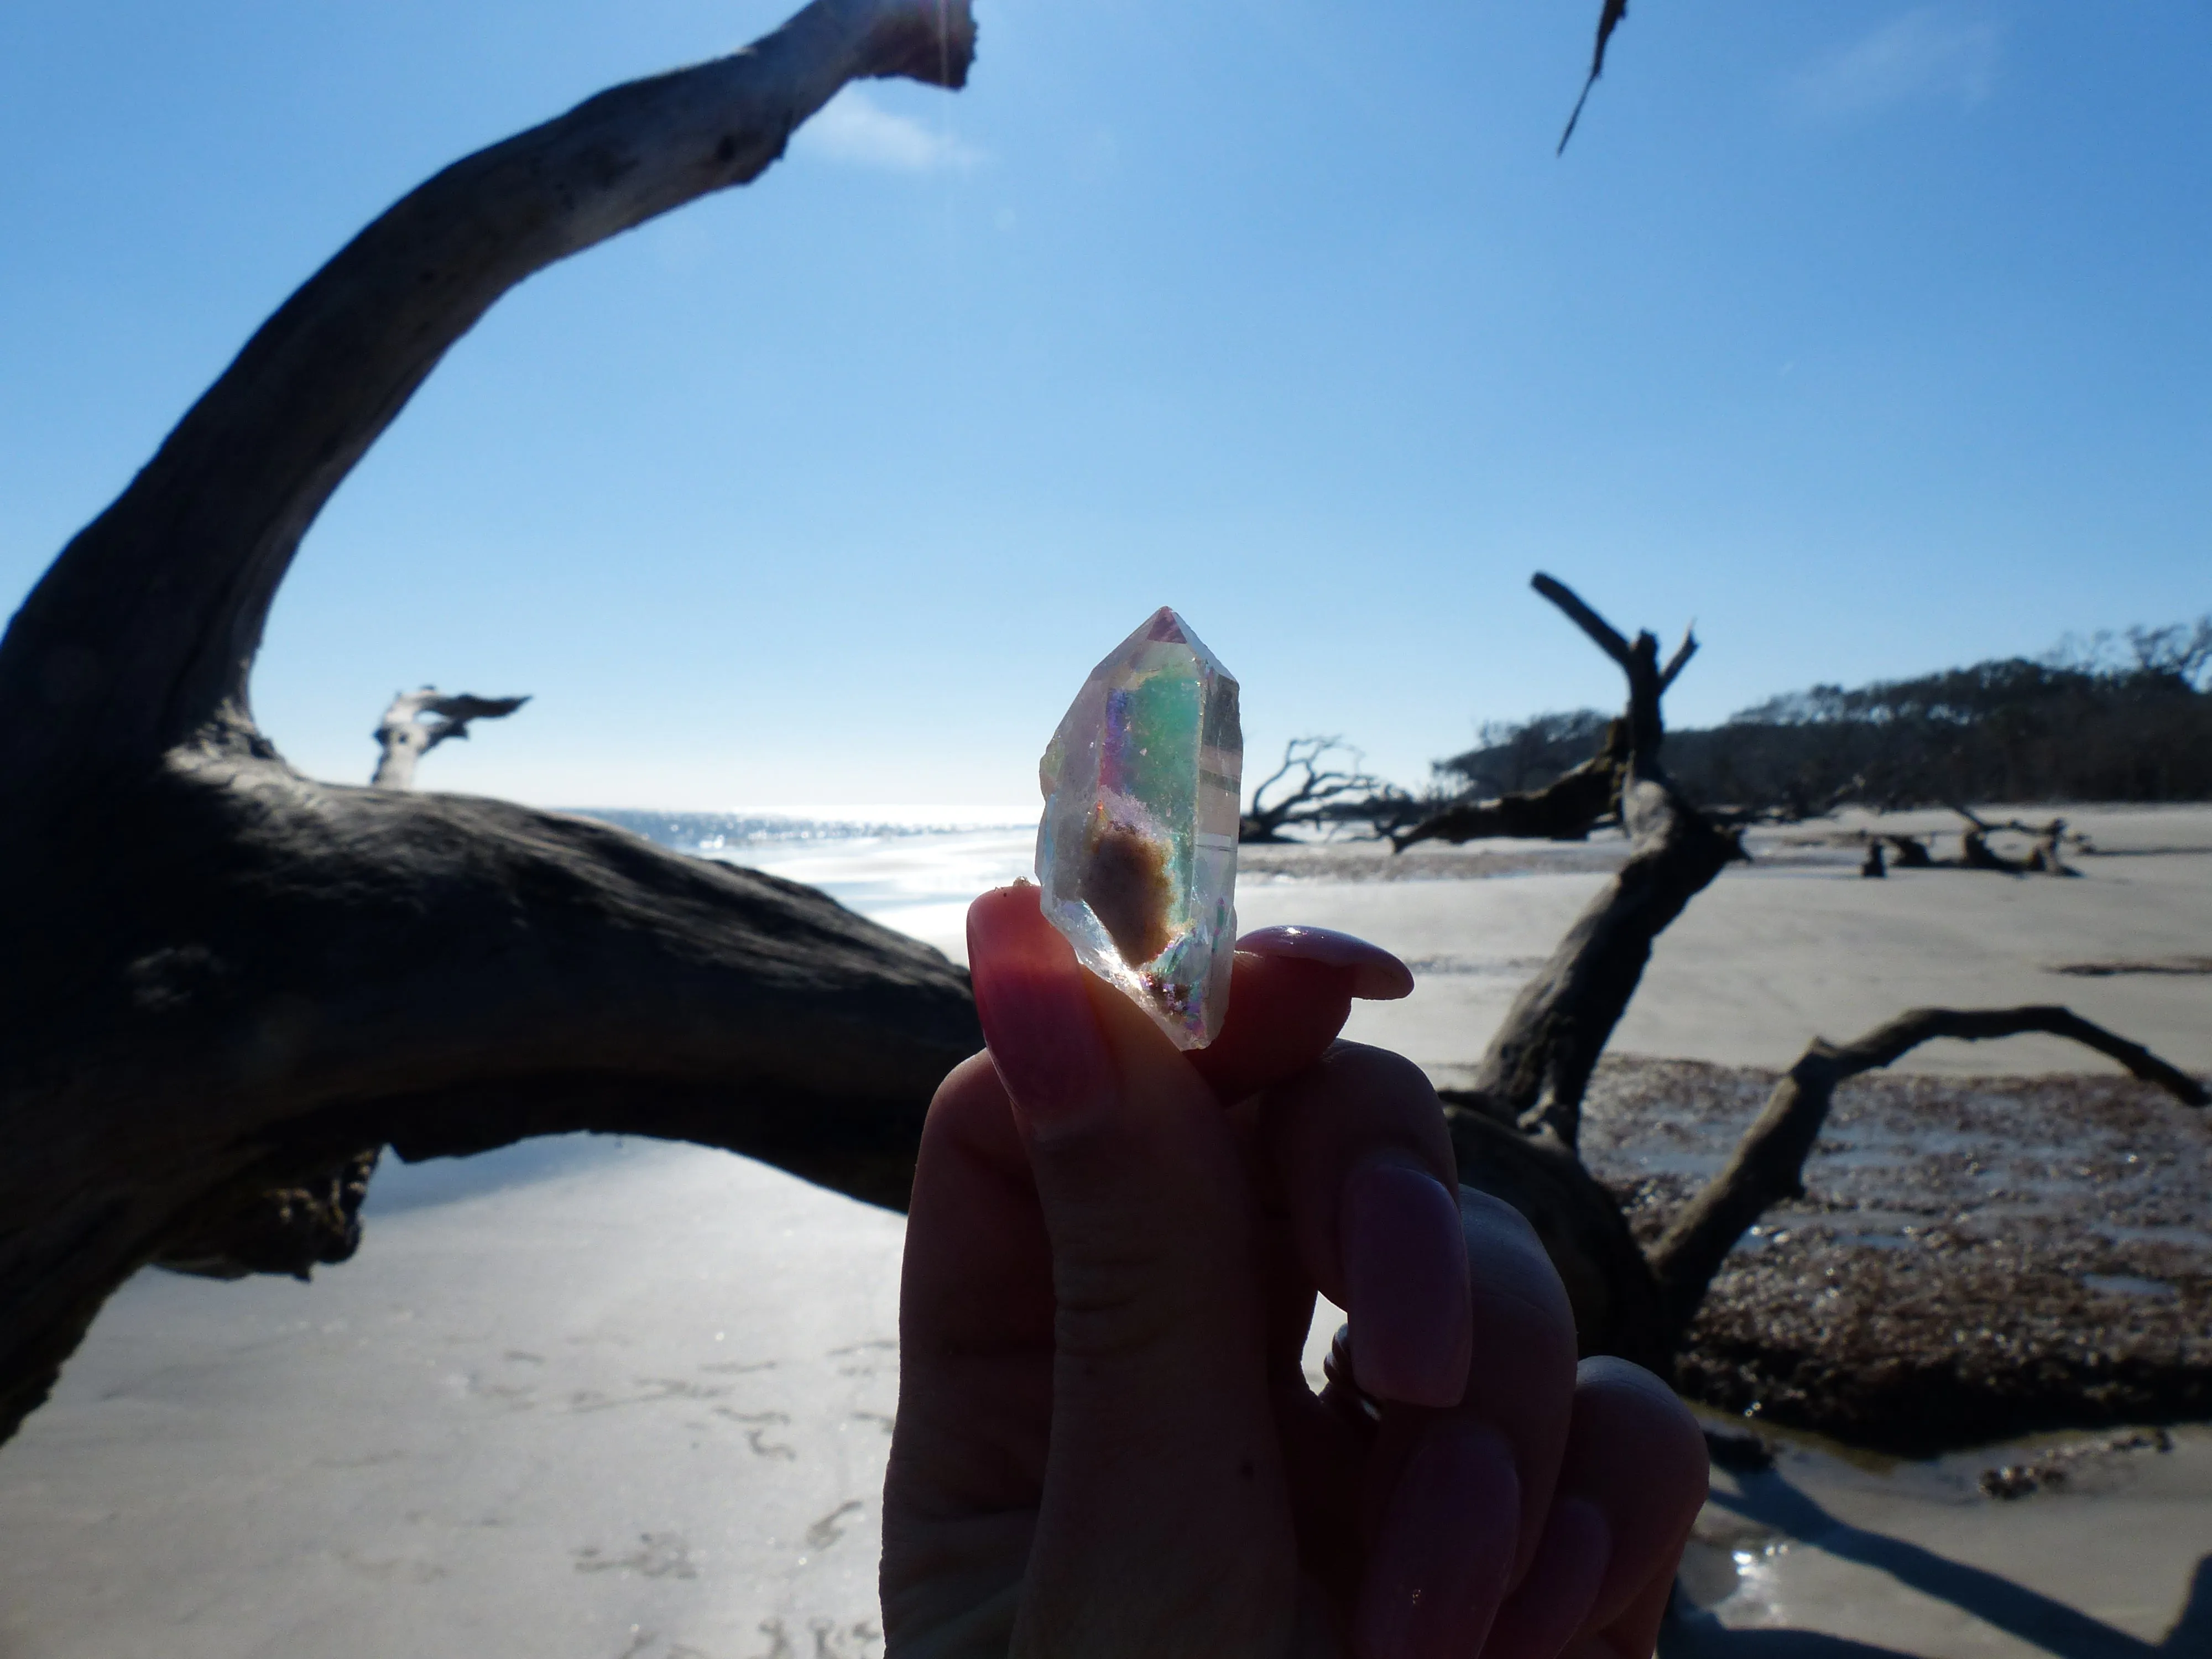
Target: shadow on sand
x,y
2058,1630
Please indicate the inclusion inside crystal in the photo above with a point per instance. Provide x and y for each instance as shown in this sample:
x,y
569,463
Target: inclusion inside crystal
x,y
1137,851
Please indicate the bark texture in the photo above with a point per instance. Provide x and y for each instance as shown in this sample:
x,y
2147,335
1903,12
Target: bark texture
x,y
226,980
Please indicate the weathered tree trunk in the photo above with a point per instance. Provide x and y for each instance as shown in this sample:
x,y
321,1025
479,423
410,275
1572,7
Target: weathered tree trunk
x,y
223,979
1539,1061
1514,1132
404,737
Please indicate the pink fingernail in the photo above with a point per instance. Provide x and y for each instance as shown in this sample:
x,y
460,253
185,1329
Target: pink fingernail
x,y
1439,1569
1405,1268
1038,1021
1376,975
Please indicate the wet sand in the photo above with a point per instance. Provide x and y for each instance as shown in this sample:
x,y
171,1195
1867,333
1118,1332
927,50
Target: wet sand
x,y
1972,1259
596,1400
629,1402
575,1399
1797,945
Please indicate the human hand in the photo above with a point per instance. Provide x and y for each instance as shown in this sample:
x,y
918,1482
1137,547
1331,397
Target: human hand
x,y
1105,1444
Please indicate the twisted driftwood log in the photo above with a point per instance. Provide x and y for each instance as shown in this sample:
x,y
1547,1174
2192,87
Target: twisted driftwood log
x,y
1769,1163
1312,794
1571,806
404,737
1514,1132
224,980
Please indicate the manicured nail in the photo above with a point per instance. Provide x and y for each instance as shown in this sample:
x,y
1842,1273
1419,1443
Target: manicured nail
x,y
1376,975
1405,1268
1038,1021
1551,1601
1439,1570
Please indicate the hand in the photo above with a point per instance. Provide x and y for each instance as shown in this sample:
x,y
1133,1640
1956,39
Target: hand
x,y
1105,1443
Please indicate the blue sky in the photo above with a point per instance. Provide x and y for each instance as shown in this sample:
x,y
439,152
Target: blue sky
x,y
1874,337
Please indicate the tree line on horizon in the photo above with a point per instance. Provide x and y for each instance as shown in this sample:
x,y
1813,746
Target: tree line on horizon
x,y
2117,717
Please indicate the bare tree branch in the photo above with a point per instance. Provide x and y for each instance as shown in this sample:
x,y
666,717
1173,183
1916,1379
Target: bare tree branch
x,y
1769,1163
1607,638
1680,659
404,737
144,630
1318,790
1539,1063
229,980
1609,20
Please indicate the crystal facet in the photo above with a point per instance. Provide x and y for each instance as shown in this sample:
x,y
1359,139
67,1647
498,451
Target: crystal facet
x,y
1137,851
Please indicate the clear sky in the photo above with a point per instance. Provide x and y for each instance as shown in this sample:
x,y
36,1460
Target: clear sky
x,y
1874,336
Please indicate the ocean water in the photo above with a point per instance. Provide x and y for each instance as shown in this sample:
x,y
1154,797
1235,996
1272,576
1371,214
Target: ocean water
x,y
914,868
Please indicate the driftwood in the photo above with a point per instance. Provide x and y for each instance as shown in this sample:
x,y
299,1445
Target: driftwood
x,y
1573,805
1567,809
403,736
2046,858
1769,1163
1609,20
224,980
1539,1063
1913,852
1313,793
1514,1132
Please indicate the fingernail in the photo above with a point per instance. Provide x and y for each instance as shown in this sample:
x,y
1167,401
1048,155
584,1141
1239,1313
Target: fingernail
x,y
1376,975
1037,1022
1405,1268
1438,1571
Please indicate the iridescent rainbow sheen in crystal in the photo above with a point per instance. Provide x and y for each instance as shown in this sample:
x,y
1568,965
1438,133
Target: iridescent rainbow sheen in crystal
x,y
1137,851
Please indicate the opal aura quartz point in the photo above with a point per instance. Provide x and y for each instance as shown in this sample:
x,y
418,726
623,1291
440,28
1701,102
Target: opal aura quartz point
x,y
1137,851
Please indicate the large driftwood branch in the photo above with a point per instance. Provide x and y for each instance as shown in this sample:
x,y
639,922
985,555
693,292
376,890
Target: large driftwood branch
x,y
1312,794
1769,1163
403,736
223,979
1566,809
1539,1064
142,634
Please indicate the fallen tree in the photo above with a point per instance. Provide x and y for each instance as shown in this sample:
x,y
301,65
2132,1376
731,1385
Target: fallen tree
x,y
226,980
1516,1129
1313,791
1572,805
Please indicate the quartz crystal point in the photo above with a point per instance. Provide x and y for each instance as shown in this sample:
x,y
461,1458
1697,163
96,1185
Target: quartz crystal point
x,y
1137,851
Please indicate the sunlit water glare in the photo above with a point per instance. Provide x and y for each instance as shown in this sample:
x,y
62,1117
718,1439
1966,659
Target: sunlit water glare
x,y
914,868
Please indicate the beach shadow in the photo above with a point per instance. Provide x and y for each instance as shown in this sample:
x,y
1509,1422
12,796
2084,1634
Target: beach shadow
x,y
2193,1633
2060,1631
1701,1635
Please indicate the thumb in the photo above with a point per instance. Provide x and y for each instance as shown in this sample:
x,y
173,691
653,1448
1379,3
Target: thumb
x,y
1161,1467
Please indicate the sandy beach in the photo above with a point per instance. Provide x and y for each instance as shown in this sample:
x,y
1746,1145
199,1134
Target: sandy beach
x,y
628,1401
